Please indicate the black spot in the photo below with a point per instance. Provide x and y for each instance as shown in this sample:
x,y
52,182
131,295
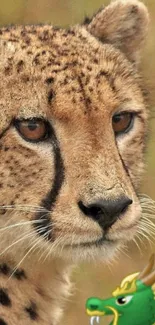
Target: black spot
x,y
25,78
2,322
32,311
4,269
89,68
84,97
71,32
49,80
2,212
109,78
23,32
10,185
20,65
103,73
86,21
50,96
27,40
95,60
44,36
7,70
4,298
88,100
6,148
19,275
36,60
134,10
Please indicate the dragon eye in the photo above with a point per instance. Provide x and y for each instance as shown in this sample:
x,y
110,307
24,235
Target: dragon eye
x,y
33,130
123,300
122,122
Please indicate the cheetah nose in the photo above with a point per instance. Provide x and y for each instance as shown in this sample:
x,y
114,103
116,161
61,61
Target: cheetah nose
x,y
106,212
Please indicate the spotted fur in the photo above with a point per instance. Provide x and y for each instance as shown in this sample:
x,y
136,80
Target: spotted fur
x,y
76,80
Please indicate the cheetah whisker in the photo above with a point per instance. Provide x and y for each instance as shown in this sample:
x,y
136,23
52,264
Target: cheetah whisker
x,y
23,205
147,203
23,208
42,248
28,234
58,241
143,232
147,226
123,251
46,249
21,224
53,246
36,242
146,236
138,246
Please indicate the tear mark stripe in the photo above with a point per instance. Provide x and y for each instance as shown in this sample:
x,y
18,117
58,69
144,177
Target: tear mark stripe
x,y
5,131
2,322
49,201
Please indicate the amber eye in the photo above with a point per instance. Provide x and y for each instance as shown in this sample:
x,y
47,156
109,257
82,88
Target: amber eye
x,y
122,122
33,130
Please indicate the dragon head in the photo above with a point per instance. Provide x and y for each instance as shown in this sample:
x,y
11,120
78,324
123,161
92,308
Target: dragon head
x,y
131,303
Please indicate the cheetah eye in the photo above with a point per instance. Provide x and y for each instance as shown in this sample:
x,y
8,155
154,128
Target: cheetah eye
x,y
122,122
33,130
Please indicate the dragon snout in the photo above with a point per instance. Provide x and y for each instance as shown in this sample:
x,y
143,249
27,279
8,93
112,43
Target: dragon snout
x,y
94,307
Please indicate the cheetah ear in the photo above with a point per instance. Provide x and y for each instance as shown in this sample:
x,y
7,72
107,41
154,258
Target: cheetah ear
x,y
123,23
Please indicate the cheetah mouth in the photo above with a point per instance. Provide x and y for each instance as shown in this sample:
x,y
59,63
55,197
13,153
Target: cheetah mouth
x,y
106,239
99,242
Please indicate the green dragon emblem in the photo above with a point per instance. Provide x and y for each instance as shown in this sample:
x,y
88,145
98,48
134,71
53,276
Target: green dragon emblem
x,y
133,303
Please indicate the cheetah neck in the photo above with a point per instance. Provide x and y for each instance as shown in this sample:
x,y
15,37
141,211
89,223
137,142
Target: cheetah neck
x,y
42,287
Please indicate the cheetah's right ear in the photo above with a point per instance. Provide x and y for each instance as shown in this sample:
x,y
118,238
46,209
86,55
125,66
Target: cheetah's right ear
x,y
123,23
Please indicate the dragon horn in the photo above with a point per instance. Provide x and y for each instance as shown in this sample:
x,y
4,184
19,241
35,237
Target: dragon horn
x,y
149,280
147,269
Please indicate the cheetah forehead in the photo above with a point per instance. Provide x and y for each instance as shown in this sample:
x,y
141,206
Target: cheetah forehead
x,y
41,60
111,39
38,62
45,50
46,47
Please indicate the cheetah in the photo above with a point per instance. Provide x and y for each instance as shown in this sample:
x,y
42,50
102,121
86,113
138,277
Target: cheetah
x,y
73,123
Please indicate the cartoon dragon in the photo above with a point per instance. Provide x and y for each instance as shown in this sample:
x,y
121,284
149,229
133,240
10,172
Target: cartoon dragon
x,y
133,303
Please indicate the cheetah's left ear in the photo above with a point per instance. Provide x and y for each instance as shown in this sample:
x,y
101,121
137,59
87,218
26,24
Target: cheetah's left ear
x,y
123,23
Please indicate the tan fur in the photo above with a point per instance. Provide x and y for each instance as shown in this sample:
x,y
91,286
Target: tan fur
x,y
77,79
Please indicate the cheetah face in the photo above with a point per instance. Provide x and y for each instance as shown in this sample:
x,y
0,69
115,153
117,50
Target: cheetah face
x,y
73,124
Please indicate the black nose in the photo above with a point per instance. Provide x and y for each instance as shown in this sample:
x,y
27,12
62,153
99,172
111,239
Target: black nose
x,y
106,212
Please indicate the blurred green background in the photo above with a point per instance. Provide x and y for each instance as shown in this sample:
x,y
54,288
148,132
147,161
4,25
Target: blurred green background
x,y
99,279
